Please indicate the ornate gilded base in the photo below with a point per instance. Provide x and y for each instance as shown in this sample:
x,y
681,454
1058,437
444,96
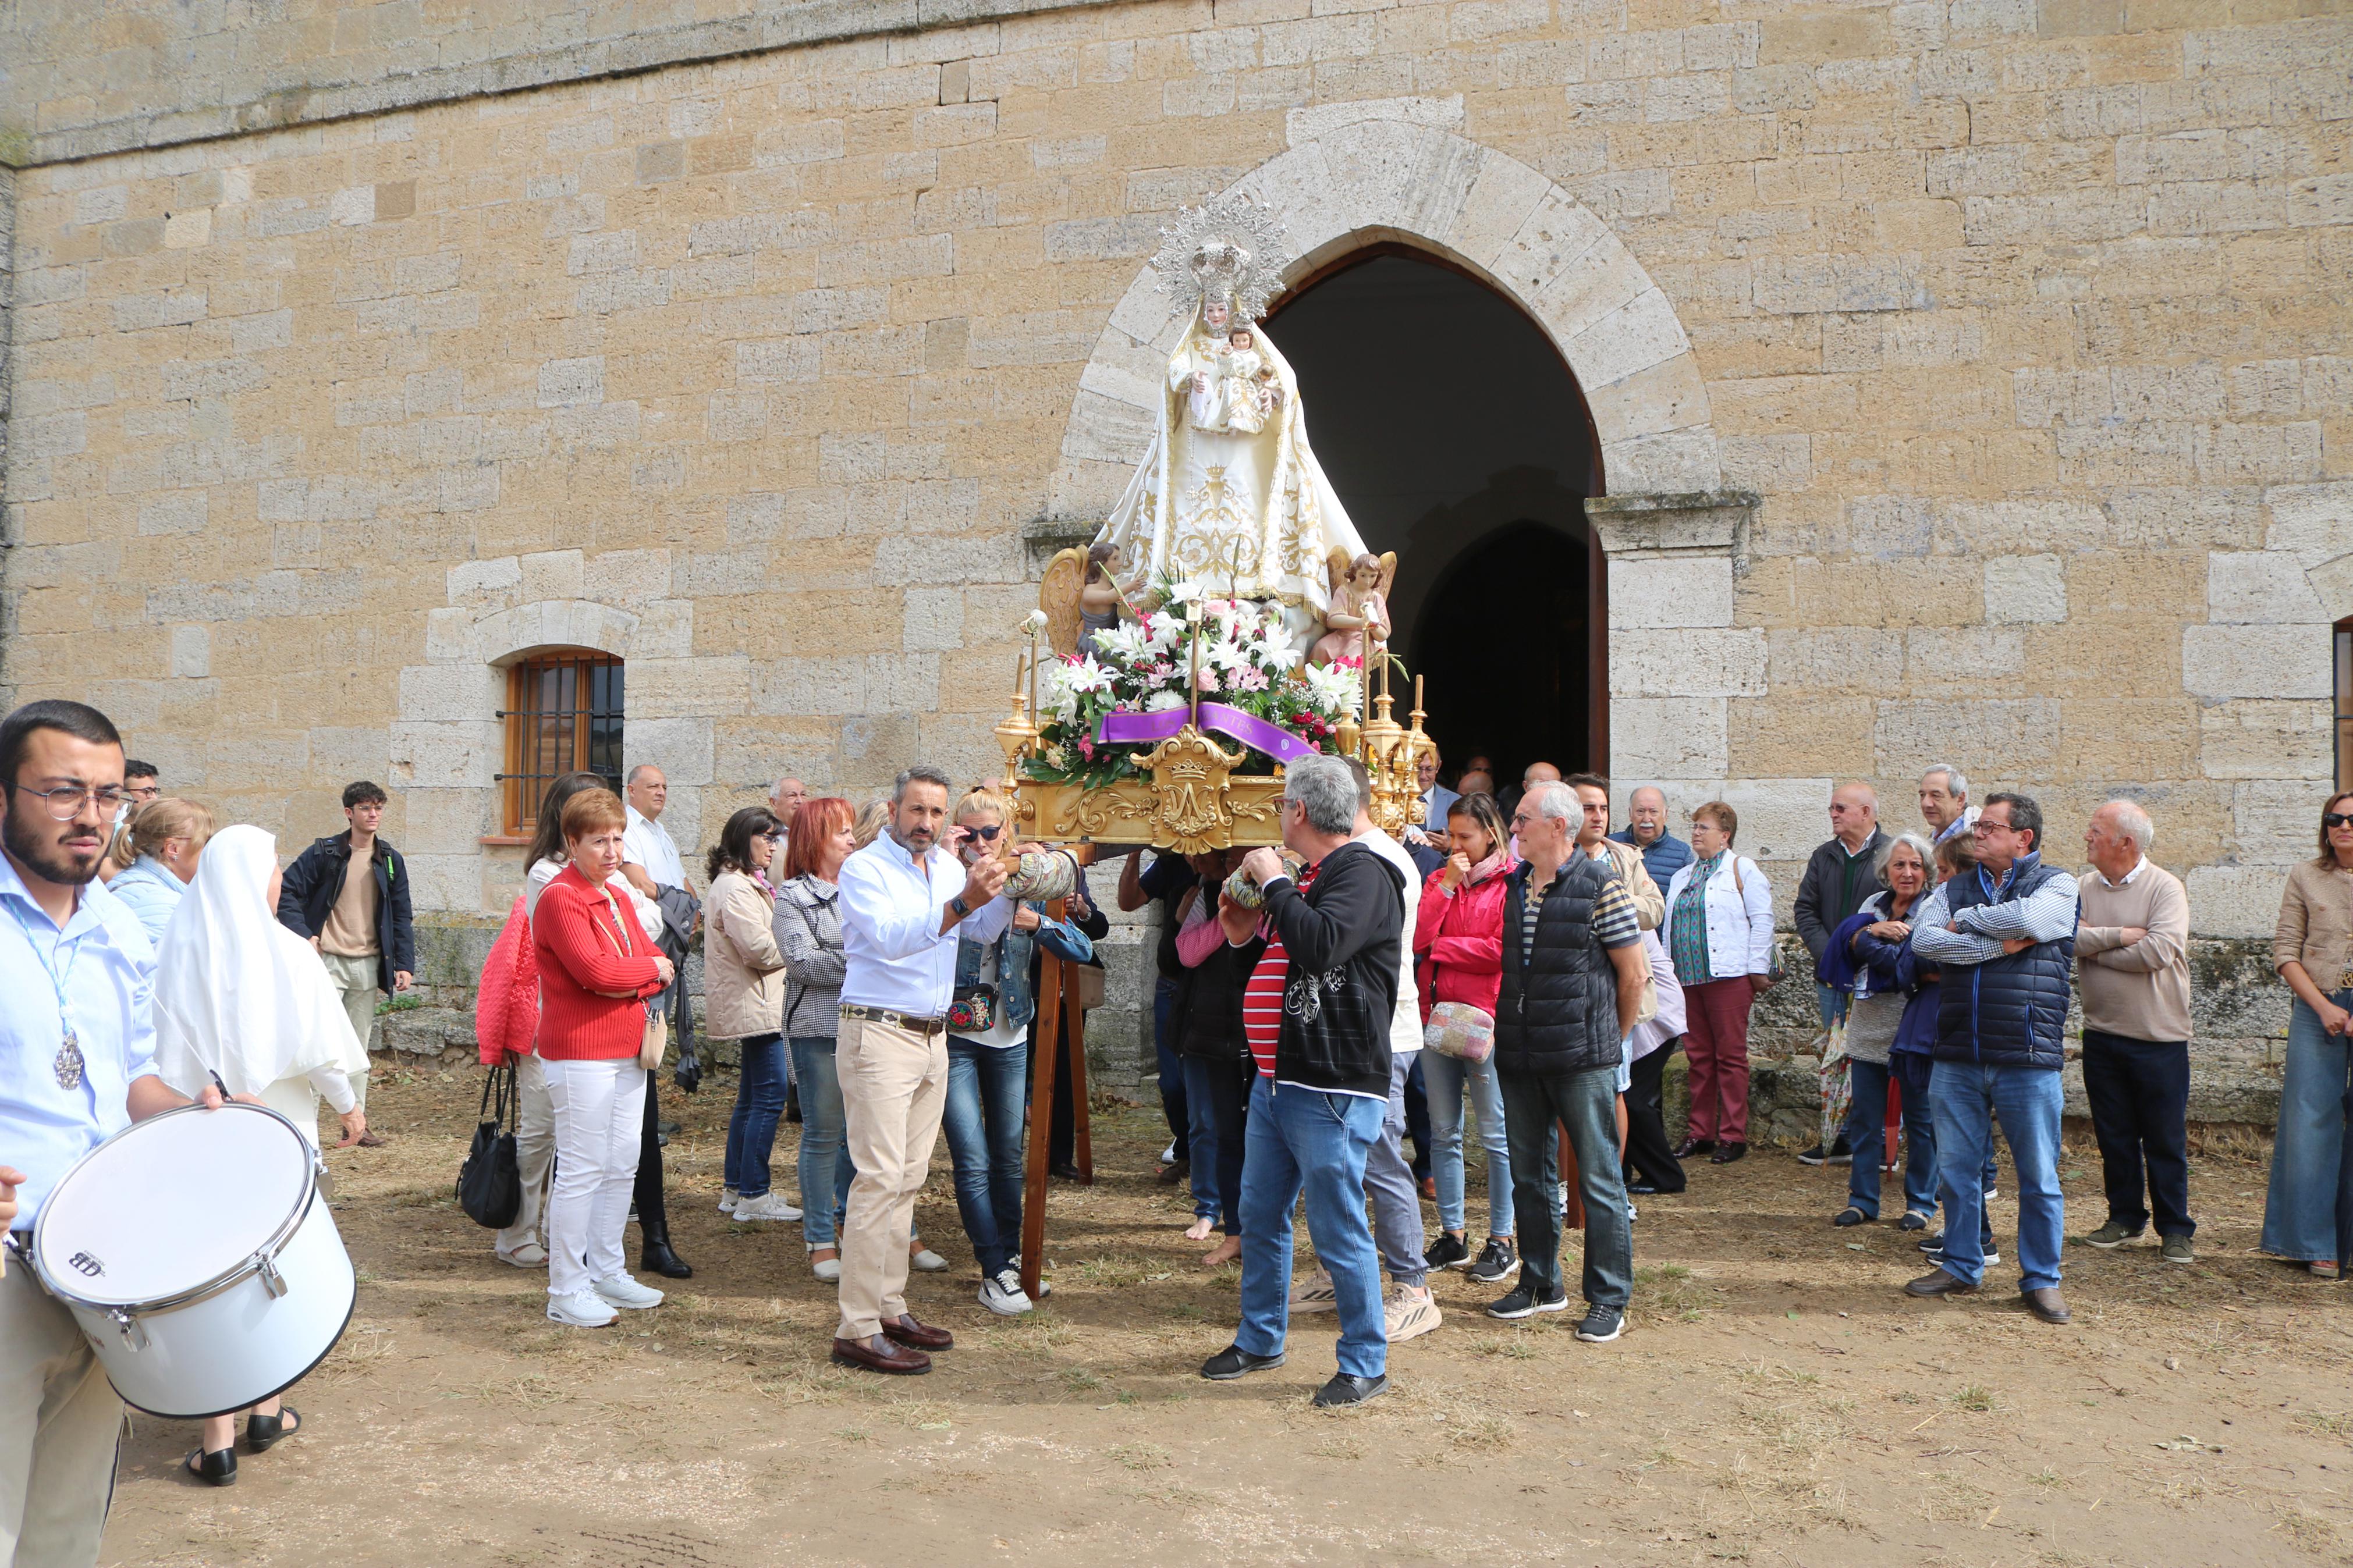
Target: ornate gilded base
x,y
1244,813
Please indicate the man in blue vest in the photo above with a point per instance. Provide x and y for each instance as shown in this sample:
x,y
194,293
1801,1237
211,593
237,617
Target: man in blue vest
x,y
2004,936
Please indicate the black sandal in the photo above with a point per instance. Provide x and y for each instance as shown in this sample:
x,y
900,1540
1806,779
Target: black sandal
x,y
261,1431
218,1467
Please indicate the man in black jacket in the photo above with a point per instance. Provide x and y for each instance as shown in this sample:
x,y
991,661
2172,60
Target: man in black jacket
x,y
1316,1012
1572,966
1842,873
360,925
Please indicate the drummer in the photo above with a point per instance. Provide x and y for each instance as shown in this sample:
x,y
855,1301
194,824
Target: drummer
x,y
77,1065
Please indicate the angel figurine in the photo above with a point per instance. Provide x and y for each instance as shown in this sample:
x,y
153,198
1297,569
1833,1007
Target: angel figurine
x,y
1081,597
1359,611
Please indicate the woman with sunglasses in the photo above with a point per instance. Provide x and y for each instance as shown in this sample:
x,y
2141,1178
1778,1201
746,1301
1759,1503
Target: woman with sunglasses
x,y
744,1000
2309,1208
988,1061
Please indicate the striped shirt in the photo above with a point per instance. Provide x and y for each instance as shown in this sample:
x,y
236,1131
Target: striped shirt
x,y
1262,996
1615,923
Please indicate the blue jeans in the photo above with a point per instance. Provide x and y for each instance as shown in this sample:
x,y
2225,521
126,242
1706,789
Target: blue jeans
x,y
1305,1140
1969,1097
752,1125
1586,1103
1446,1078
1830,1003
1912,1070
1217,1095
2309,1204
1866,1134
824,1140
982,1118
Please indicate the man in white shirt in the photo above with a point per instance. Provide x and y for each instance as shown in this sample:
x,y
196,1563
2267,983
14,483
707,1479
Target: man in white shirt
x,y
787,798
650,858
907,900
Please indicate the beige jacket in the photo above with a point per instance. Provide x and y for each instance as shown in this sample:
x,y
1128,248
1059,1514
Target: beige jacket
x,y
2316,924
742,968
1650,909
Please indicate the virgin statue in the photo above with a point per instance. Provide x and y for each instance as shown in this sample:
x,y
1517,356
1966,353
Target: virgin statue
x,y
1230,495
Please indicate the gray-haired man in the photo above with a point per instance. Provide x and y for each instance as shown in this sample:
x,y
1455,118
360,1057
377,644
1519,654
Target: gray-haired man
x,y
1945,801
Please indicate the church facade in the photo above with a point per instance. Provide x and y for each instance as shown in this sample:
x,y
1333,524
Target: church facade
x,y
452,396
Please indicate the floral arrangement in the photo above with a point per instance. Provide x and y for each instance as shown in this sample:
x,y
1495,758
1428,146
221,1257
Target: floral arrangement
x,y
1247,661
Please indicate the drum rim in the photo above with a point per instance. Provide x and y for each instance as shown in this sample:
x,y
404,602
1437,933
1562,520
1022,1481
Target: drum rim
x,y
241,1269
341,1329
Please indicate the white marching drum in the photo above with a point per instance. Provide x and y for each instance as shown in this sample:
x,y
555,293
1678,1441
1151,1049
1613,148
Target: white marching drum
x,y
196,1250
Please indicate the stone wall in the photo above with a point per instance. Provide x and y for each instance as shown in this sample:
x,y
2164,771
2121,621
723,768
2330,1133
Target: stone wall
x,y
2007,343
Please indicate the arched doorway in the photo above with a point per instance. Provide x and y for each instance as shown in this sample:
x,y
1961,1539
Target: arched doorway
x,y
1457,438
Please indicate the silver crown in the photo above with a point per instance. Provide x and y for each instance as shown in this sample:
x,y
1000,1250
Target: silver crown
x,y
1233,249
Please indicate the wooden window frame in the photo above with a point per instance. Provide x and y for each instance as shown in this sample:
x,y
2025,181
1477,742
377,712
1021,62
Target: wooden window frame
x,y
2341,667
543,741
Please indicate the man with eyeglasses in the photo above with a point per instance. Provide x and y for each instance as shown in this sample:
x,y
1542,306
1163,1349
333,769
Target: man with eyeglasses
x,y
77,1065
141,785
2004,936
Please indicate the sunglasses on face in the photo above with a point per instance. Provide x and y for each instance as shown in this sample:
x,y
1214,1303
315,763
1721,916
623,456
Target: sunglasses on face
x,y
984,834
2335,818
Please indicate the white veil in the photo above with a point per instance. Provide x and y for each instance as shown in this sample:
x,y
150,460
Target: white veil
x,y
237,994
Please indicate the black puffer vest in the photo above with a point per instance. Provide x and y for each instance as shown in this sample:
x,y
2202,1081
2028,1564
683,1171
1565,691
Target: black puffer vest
x,y
1557,1013
2007,1011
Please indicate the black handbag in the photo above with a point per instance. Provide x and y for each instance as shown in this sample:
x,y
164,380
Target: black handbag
x,y
489,1187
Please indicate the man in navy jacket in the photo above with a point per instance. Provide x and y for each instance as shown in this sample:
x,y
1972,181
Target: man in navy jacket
x,y
2004,935
360,925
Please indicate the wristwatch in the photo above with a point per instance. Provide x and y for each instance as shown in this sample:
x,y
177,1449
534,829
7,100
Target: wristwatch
x,y
962,909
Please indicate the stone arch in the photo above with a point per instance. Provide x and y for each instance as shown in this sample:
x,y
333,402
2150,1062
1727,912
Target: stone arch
x,y
1356,175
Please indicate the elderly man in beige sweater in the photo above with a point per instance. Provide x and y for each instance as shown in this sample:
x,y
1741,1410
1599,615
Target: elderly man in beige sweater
x,y
2133,969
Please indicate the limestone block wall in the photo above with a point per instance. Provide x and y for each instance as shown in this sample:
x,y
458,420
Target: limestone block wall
x,y
2006,342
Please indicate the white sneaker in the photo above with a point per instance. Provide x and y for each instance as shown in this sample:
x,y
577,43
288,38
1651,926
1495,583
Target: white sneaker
x,y
924,1260
1168,1155
1045,1289
1409,1315
580,1310
625,1291
727,1200
1003,1295
530,1255
1314,1294
830,1269
770,1205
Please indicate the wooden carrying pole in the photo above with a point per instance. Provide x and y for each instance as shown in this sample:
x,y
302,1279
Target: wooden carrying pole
x,y
1057,1006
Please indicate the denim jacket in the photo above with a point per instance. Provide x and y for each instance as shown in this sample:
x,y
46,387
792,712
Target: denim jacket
x,y
1010,974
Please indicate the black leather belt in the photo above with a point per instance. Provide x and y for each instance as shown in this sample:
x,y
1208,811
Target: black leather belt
x,y
897,1020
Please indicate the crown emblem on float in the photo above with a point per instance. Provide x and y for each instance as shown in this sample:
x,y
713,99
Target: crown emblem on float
x,y
1231,250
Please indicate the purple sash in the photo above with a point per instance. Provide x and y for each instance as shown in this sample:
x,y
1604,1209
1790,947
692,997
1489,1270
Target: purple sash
x,y
1248,729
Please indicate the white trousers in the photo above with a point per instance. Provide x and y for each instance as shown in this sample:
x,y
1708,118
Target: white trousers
x,y
535,1153
598,1110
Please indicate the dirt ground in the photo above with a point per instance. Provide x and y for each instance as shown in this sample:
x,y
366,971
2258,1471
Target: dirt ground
x,y
1775,1399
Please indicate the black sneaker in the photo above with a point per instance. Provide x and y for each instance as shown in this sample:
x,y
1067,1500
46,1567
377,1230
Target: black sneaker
x,y
1602,1325
1498,1261
1446,1252
1817,1155
1841,1152
1344,1390
1234,1361
1937,1253
1523,1303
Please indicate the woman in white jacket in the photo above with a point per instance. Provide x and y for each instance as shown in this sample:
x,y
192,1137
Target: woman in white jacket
x,y
1719,933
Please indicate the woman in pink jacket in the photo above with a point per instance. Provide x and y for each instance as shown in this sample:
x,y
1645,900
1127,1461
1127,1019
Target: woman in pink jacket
x,y
1457,944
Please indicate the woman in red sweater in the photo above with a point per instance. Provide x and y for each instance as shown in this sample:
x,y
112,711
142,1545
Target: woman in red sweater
x,y
1458,945
596,970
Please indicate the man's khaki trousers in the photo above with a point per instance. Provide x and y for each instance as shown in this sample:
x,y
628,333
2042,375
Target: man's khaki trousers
x,y
59,1422
895,1082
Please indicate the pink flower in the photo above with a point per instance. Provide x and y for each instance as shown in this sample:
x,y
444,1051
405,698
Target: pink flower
x,y
1208,677
1250,680
1087,749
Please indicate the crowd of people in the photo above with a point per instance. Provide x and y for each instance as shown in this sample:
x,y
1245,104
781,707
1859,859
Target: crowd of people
x,y
1508,963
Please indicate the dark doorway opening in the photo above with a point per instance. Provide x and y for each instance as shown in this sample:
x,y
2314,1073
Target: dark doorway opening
x,y
1457,436
1491,641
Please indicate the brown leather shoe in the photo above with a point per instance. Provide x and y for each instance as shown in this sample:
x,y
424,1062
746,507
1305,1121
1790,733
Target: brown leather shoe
x,y
905,1331
2044,1303
1938,1282
879,1355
